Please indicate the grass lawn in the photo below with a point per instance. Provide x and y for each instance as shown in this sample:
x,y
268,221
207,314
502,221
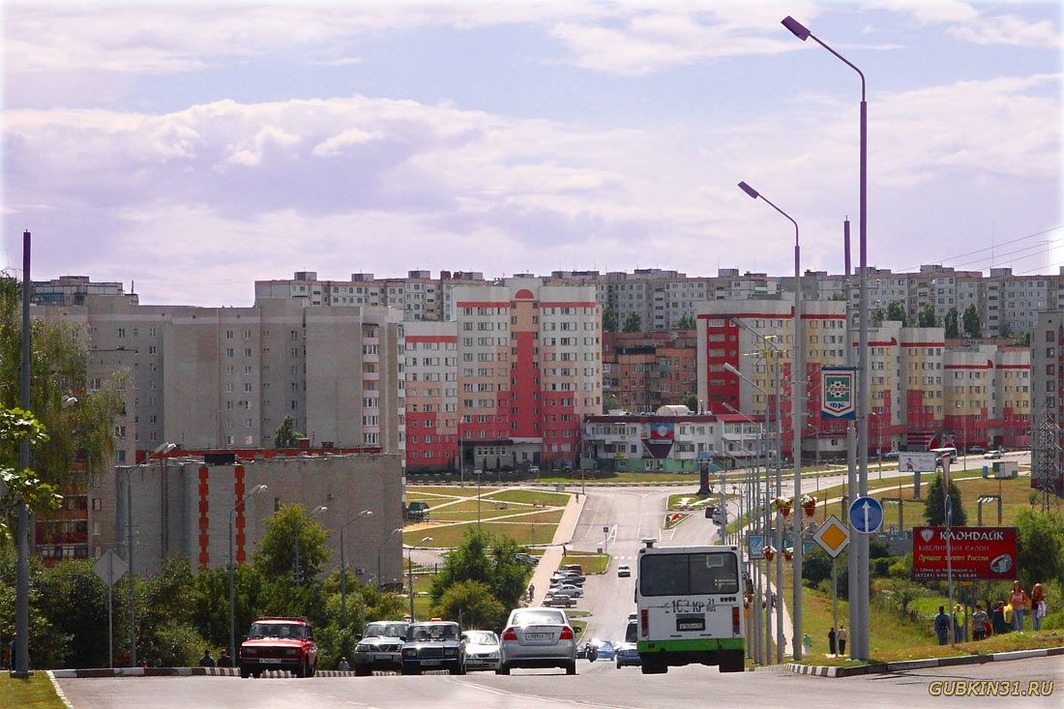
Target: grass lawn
x,y
526,528
531,497
37,691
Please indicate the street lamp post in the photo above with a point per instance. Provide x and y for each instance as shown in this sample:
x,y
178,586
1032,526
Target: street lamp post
x,y
797,380
20,663
410,572
397,530
298,571
343,564
232,564
859,647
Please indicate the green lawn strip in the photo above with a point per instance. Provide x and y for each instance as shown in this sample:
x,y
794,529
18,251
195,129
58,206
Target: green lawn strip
x,y
466,510
693,502
426,492
531,497
590,562
525,528
36,691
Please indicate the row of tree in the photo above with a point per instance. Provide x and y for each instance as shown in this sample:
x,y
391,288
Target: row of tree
x,y
180,611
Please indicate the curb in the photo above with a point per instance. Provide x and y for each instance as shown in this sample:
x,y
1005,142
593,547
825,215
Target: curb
x,y
93,673
905,665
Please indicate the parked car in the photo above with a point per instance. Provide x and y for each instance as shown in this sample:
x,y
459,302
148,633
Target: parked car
x,y
380,648
573,569
538,637
624,570
566,589
994,454
577,579
434,645
561,600
482,650
275,643
890,455
627,655
975,449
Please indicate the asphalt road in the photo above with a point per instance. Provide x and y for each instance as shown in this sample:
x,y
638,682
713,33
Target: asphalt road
x,y
597,684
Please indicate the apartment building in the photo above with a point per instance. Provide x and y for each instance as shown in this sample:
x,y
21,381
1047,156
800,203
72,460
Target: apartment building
x,y
529,370
431,357
1047,403
643,371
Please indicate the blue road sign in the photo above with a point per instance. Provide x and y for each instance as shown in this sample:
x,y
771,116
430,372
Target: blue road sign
x,y
866,514
756,543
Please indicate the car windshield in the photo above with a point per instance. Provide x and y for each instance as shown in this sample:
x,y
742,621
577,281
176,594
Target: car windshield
x,y
537,617
277,630
432,633
391,630
482,637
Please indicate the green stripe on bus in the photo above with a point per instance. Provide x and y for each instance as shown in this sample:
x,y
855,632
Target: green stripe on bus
x,y
693,645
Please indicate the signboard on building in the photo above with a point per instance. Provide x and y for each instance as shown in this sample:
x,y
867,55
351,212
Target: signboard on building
x,y
837,384
976,553
659,442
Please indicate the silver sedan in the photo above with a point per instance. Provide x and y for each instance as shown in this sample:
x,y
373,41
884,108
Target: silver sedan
x,y
538,637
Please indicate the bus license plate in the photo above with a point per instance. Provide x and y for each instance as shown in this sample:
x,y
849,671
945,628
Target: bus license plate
x,y
690,622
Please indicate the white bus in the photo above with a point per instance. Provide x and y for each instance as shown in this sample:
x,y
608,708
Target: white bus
x,y
689,604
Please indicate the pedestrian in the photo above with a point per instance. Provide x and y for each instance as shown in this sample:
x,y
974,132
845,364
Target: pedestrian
x,y
1019,600
343,665
224,660
831,641
958,626
941,626
1038,606
206,660
980,623
997,619
807,643
840,639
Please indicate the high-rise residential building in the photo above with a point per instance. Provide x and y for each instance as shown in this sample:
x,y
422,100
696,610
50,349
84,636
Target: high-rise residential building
x,y
529,370
431,373
643,371
1047,403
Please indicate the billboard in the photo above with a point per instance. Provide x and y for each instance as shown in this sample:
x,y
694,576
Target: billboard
x,y
837,385
976,553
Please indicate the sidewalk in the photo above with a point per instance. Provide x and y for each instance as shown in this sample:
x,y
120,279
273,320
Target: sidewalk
x,y
552,555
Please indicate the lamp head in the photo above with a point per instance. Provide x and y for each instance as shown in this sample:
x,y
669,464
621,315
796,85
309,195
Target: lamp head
x,y
69,401
730,368
749,190
796,28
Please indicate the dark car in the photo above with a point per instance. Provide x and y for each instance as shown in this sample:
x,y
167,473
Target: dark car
x,y
435,645
278,644
603,649
381,647
628,655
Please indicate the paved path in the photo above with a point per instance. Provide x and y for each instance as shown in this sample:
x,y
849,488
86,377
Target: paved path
x,y
552,555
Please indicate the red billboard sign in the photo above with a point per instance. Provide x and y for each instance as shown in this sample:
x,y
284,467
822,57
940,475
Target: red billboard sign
x,y
976,553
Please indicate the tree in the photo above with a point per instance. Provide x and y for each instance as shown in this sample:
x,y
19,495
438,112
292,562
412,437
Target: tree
x,y
926,317
896,312
81,440
1039,547
691,401
970,319
686,322
486,559
609,320
286,434
953,330
878,316
472,604
74,600
292,553
17,426
934,505
632,323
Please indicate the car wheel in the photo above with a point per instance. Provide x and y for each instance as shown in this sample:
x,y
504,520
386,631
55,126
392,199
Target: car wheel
x,y
300,671
503,670
245,672
618,664
570,669
257,674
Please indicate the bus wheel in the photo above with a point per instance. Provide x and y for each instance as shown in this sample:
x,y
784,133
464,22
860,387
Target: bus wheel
x,y
653,667
735,662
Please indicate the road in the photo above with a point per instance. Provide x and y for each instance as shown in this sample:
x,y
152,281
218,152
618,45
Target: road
x,y
598,684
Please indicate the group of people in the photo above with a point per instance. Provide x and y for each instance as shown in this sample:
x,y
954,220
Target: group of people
x,y
837,640
224,660
1003,617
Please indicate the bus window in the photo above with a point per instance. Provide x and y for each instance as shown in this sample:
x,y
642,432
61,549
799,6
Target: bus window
x,y
686,574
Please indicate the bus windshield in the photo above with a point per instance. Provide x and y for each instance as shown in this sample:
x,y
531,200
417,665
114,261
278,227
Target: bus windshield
x,y
694,573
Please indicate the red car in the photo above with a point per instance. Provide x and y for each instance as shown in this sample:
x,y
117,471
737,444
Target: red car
x,y
279,644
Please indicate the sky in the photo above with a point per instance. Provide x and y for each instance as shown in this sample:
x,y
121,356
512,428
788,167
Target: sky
x,y
193,148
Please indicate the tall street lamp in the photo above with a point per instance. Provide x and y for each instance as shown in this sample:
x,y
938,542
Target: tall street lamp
x,y
20,663
797,380
298,572
410,572
232,564
343,564
858,568
397,530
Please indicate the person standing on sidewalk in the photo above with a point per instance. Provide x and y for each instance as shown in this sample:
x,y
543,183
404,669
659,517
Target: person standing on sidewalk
x,y
1038,606
840,639
831,642
1020,600
941,626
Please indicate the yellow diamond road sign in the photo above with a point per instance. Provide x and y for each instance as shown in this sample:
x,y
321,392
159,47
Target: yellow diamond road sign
x,y
833,536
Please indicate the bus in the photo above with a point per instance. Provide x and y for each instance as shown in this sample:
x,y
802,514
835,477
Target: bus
x,y
689,607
